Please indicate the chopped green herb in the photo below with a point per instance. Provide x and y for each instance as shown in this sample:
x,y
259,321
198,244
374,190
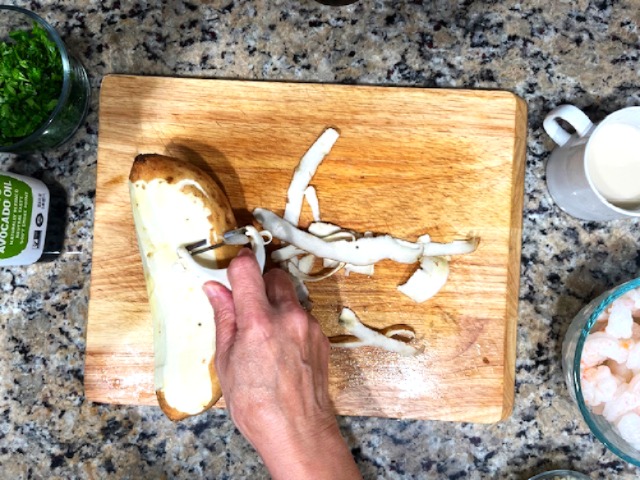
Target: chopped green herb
x,y
30,82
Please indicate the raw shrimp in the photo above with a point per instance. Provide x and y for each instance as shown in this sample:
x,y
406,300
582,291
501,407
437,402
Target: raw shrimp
x,y
633,360
620,370
635,296
629,428
610,365
625,400
630,300
598,385
625,300
620,320
600,346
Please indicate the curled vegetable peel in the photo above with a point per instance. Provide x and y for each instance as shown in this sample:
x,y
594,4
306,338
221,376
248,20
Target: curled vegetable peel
x,y
362,251
456,247
305,171
312,199
307,277
359,254
427,280
368,337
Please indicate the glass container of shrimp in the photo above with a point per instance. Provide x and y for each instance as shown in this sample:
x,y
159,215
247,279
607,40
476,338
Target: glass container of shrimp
x,y
601,365
560,475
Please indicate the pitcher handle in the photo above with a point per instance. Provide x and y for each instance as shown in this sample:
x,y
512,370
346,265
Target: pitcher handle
x,y
570,114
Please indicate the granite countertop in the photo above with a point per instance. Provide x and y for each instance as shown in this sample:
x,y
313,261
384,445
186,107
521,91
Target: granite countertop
x,y
579,52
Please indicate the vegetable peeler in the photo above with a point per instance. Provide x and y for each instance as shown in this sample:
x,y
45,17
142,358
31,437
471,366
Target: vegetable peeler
x,y
240,236
237,236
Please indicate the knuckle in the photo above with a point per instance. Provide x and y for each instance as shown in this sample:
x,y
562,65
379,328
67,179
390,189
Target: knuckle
x,y
261,326
296,321
275,274
299,318
281,276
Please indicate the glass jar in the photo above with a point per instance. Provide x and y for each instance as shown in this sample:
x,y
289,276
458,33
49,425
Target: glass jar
x,y
73,102
337,3
560,475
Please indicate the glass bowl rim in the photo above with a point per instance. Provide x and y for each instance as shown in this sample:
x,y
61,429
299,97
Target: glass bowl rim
x,y
66,81
547,474
609,296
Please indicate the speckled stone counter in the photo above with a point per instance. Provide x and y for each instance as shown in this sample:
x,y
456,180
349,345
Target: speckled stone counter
x,y
579,52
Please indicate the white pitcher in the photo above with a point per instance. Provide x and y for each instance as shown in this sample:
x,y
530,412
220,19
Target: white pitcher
x,y
594,174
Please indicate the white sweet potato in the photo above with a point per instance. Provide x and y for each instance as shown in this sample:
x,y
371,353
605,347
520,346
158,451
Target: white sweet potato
x,y
175,203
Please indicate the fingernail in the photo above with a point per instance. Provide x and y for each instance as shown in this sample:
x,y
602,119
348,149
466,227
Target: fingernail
x,y
210,289
245,252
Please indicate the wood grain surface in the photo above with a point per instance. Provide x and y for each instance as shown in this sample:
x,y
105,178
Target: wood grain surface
x,y
409,161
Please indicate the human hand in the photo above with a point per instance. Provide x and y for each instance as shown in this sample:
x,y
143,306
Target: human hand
x,y
272,363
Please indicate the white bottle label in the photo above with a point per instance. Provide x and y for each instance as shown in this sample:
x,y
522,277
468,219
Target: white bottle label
x,y
24,207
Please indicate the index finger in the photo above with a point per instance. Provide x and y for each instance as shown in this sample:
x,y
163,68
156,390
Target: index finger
x,y
247,287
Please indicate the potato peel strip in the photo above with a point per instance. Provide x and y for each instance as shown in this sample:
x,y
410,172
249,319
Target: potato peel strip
x,y
312,199
363,251
372,338
305,171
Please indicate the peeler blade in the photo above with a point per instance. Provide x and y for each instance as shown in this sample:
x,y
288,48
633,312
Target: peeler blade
x,y
232,237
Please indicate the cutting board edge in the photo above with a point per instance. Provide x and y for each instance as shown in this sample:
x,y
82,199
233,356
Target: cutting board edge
x,y
515,248
491,416
109,78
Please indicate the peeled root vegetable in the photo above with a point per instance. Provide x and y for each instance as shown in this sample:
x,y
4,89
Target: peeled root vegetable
x,y
175,203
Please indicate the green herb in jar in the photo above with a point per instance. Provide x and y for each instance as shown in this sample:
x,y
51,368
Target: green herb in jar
x,y
30,82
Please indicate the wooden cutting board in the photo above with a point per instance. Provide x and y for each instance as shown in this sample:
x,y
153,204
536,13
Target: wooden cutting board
x,y
409,161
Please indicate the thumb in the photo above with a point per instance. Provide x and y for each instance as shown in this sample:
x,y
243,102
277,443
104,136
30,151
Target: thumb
x,y
224,314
